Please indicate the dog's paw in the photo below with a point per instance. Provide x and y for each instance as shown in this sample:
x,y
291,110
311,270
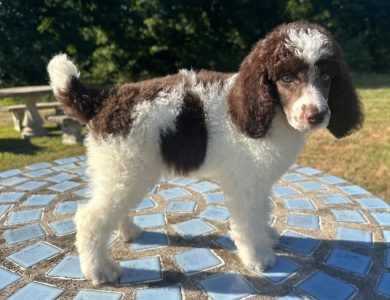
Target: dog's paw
x,y
101,272
263,259
128,232
272,237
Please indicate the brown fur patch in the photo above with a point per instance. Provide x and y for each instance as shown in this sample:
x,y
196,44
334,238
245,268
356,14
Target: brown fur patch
x,y
184,150
116,114
209,77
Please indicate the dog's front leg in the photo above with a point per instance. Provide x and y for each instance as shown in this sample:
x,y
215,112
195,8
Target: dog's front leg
x,y
251,233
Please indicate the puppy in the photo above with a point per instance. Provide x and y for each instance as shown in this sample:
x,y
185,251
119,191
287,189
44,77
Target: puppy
x,y
244,130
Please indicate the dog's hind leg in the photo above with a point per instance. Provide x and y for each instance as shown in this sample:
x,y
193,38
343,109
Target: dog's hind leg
x,y
120,178
128,231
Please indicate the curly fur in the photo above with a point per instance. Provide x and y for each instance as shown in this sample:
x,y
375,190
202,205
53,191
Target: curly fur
x,y
243,129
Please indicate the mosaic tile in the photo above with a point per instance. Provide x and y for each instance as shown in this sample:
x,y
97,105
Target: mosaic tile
x,y
37,291
83,192
39,166
214,198
63,227
387,258
80,172
85,178
353,190
15,236
284,191
111,240
152,220
303,204
349,261
309,171
181,207
383,219
356,236
203,187
383,286
10,197
226,242
311,186
290,296
34,254
68,206
182,181
197,260
25,216
83,157
66,160
10,181
297,242
193,228
31,185
145,204
4,209
173,193
153,190
271,220
7,278
97,295
317,286
373,203
282,269
140,270
60,177
38,200
294,166
215,214
169,292
38,173
351,216
64,167
386,236
293,177
162,179
330,199
332,180
227,286
68,267
10,173
303,221
82,164
150,240
64,186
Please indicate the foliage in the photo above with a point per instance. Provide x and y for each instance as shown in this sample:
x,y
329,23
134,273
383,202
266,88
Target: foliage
x,y
121,40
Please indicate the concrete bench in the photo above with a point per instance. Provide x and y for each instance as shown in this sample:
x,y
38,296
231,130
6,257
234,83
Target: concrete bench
x,y
70,127
18,112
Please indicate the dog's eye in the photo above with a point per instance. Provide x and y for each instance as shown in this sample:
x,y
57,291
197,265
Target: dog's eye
x,y
325,77
287,78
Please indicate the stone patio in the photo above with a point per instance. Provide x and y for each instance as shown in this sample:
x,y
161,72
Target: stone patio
x,y
334,240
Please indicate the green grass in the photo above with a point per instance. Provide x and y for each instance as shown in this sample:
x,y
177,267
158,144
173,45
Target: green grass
x,y
16,152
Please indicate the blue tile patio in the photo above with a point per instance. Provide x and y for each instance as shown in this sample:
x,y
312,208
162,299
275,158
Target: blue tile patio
x,y
333,234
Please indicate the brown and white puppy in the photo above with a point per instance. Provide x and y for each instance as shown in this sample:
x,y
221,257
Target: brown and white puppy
x,y
243,129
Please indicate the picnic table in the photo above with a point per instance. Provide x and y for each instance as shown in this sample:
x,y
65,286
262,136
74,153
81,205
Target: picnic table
x,y
27,115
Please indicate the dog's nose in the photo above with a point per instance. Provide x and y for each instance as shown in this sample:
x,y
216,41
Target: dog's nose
x,y
315,117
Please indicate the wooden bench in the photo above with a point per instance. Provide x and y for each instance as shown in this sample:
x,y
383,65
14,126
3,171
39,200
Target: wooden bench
x,y
18,112
70,127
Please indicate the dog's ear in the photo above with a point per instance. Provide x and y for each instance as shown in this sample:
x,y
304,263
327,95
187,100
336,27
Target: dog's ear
x,y
346,109
252,98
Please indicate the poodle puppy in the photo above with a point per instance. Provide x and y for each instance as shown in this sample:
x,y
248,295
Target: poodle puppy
x,y
244,130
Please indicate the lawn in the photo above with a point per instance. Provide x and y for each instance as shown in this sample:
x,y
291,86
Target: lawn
x,y
362,159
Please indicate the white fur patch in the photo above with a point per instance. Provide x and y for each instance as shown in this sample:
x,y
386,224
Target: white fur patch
x,y
312,96
60,70
310,45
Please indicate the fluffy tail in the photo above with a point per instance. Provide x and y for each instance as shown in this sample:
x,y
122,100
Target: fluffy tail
x,y
78,101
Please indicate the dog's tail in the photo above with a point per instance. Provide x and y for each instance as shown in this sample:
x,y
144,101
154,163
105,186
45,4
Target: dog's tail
x,y
78,101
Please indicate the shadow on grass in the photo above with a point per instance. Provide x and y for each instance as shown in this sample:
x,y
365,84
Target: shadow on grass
x,y
18,146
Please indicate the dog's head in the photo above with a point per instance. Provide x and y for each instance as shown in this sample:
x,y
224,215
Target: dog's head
x,y
301,68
